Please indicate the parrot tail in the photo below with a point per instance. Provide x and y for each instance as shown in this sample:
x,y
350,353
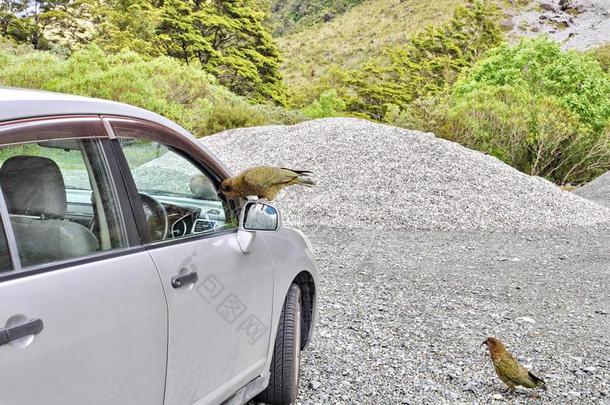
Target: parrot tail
x,y
538,381
306,182
299,172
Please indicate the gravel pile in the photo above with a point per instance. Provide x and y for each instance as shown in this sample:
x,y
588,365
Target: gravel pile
x,y
373,176
598,190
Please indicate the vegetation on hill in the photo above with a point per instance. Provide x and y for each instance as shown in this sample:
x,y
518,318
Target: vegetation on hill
x,y
181,92
227,38
291,15
540,109
356,36
426,64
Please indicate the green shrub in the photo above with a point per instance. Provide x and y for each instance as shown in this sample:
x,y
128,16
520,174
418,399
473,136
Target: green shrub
x,y
602,55
539,66
328,105
183,93
535,134
241,114
542,110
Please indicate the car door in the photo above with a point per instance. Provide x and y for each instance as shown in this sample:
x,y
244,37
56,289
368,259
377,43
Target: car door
x,y
83,319
219,299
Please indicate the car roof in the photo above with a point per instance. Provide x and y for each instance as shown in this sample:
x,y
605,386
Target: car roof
x,y
22,103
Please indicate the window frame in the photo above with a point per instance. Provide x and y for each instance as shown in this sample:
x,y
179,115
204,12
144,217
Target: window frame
x,y
90,126
178,144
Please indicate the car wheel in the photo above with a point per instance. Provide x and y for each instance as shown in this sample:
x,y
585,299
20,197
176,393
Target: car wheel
x,y
283,385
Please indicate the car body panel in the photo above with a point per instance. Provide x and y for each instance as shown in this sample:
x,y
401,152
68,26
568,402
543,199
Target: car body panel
x,y
291,256
219,327
104,338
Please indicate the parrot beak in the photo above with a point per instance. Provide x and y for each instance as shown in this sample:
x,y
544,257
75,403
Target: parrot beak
x,y
484,342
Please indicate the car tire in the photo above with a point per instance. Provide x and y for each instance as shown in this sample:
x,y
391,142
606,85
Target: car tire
x,y
283,385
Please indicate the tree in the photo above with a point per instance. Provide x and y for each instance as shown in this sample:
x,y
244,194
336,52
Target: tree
x,y
251,59
34,22
9,9
230,40
127,25
179,35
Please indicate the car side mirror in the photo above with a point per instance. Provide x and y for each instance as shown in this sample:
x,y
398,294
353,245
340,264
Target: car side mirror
x,y
256,216
259,216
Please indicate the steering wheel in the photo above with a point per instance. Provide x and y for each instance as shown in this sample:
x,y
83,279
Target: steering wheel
x,y
155,216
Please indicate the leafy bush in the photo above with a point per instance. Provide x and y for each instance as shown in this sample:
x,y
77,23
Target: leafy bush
x,y
538,108
183,93
239,114
602,55
540,67
328,105
535,134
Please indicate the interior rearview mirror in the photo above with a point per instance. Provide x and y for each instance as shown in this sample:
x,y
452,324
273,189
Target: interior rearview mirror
x,y
260,216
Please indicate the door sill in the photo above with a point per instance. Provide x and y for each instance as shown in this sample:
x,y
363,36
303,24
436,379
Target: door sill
x,y
248,391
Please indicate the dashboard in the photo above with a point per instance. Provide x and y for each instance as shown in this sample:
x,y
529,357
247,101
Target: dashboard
x,y
191,216
174,216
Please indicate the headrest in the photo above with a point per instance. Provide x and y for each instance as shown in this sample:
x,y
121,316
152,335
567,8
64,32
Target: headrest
x,y
33,185
201,187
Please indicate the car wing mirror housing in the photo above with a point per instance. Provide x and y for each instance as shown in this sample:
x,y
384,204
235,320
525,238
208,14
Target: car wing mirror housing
x,y
259,215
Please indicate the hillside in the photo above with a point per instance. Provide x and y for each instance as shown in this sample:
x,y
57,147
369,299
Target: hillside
x,y
355,36
292,15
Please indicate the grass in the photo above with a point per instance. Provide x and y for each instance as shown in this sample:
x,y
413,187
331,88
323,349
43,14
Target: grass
x,y
357,35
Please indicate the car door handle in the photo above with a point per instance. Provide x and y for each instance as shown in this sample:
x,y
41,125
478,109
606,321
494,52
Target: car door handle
x,y
183,281
32,327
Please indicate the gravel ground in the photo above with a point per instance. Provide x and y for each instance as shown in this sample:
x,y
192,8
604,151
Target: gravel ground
x,y
598,190
426,248
584,25
403,315
373,176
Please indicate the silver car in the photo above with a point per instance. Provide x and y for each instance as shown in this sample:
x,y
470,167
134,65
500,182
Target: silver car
x,y
125,278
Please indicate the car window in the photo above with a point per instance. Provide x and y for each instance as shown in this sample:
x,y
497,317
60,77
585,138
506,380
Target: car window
x,y
60,199
179,200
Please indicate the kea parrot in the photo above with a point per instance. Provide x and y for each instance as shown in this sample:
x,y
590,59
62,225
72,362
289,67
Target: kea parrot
x,y
508,369
263,182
